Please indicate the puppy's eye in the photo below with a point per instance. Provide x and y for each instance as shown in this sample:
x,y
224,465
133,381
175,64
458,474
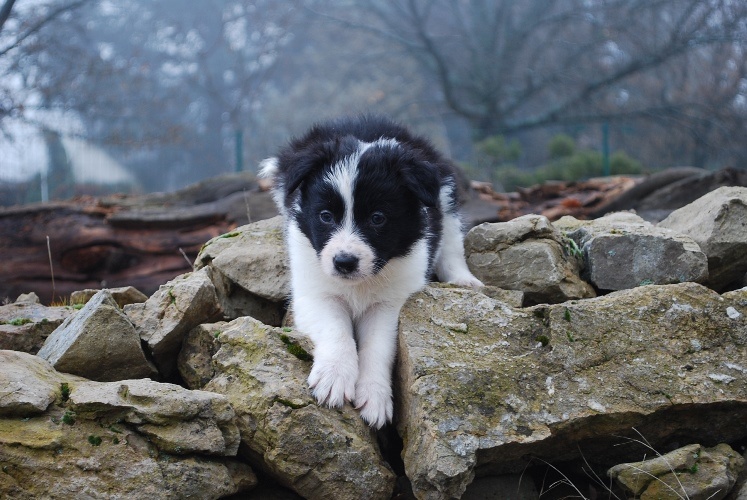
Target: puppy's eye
x,y
377,219
326,217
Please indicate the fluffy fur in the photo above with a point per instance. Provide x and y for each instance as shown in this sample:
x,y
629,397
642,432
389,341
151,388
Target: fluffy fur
x,y
370,213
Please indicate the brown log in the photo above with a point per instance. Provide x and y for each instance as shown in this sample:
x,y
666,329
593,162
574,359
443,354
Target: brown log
x,y
118,241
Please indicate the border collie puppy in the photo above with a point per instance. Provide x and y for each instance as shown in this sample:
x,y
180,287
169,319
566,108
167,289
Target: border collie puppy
x,y
370,213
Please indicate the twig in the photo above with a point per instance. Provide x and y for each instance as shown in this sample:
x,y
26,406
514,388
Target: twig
x,y
559,482
184,254
248,214
51,267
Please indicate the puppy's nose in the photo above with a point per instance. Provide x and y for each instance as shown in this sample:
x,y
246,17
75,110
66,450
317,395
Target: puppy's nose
x,y
345,263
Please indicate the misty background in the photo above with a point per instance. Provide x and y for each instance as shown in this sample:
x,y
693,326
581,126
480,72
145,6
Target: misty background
x,y
102,96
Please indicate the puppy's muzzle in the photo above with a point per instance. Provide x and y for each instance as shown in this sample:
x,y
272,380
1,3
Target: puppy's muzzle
x,y
345,263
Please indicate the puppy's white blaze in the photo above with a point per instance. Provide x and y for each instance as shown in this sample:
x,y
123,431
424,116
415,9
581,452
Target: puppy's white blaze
x,y
342,178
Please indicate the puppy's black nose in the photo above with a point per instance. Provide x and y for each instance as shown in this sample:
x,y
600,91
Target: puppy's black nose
x,y
345,263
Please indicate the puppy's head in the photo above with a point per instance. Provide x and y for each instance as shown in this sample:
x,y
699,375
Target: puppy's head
x,y
361,204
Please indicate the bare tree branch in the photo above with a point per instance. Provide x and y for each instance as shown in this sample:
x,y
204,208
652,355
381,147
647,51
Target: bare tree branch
x,y
5,12
39,24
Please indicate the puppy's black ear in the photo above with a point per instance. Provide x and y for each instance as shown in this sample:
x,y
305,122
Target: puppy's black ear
x,y
422,178
304,163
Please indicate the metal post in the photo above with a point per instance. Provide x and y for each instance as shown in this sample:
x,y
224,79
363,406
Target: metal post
x,y
606,149
239,150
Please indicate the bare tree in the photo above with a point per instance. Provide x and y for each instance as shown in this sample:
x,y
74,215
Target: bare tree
x,y
12,40
510,65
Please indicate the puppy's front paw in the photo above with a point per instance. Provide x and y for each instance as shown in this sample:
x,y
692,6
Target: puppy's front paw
x,y
374,401
467,281
333,381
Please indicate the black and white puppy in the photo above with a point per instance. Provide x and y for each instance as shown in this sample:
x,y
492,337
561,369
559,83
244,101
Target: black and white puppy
x,y
370,213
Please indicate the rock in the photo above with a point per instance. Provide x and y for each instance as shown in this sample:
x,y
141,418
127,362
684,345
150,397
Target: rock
x,y
28,298
691,472
84,439
316,451
175,419
25,325
98,343
483,385
28,384
122,296
250,270
718,223
622,251
526,254
165,318
740,490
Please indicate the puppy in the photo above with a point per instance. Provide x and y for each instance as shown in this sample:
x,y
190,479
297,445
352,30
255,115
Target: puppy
x,y
370,213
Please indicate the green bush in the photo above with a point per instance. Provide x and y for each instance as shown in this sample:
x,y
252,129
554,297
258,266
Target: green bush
x,y
509,177
622,164
499,151
561,146
580,164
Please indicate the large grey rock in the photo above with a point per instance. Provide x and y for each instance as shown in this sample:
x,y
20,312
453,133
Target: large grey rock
x,y
623,251
250,270
28,384
165,318
718,223
692,472
84,439
176,419
316,451
98,343
483,385
25,325
526,254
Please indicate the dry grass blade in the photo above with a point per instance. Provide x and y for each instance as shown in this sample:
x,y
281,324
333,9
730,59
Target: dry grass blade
x,y
644,442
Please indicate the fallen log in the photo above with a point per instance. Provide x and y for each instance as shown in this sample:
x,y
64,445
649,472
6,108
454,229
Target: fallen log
x,y
53,249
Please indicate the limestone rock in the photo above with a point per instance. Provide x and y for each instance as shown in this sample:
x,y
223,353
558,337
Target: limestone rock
x,y
253,257
316,451
177,420
483,385
526,254
718,223
98,343
165,318
25,325
250,270
84,439
122,296
623,251
690,472
28,384
28,298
